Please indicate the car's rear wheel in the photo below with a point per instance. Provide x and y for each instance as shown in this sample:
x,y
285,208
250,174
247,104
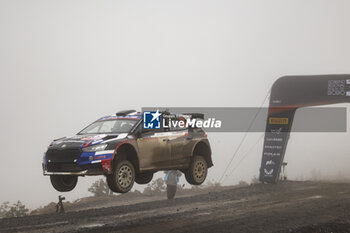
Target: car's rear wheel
x,y
123,177
197,171
144,178
64,183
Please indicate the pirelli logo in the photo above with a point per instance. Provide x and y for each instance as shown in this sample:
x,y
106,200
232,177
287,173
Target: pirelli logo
x,y
278,121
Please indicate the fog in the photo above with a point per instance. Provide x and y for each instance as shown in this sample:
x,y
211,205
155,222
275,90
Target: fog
x,y
63,64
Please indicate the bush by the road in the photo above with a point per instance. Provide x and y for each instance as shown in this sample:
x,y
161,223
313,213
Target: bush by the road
x,y
15,210
100,188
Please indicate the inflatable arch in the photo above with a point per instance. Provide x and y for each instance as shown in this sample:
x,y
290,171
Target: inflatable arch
x,y
287,95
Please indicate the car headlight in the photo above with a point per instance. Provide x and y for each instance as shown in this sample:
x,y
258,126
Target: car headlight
x,y
95,148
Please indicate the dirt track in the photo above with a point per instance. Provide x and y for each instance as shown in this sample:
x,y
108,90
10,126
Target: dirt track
x,y
286,207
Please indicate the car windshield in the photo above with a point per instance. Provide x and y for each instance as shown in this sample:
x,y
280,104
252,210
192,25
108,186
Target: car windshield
x,y
109,126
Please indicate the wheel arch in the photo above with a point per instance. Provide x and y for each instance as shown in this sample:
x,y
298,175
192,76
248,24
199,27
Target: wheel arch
x,y
202,148
130,153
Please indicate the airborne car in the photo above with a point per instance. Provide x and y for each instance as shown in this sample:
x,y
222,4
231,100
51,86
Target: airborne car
x,y
120,148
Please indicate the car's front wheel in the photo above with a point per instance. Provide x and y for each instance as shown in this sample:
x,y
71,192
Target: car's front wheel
x,y
144,178
64,183
197,171
123,177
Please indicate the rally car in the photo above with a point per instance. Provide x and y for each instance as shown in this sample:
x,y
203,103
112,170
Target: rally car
x,y
122,149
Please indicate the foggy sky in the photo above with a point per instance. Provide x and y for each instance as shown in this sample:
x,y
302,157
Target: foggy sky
x,y
63,64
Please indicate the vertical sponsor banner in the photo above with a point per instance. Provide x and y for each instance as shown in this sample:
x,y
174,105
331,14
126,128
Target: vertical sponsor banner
x,y
276,138
287,95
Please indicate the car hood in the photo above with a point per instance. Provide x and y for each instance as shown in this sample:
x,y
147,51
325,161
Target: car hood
x,y
84,140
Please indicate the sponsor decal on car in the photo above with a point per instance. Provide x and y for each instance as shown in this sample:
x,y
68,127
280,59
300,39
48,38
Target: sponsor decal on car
x,y
97,137
106,165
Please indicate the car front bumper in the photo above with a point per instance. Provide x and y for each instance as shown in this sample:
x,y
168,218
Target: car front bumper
x,y
53,168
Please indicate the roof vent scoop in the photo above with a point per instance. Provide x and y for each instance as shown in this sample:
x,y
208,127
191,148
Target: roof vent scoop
x,y
125,112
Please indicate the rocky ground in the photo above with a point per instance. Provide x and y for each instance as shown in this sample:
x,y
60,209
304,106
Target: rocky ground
x,y
285,207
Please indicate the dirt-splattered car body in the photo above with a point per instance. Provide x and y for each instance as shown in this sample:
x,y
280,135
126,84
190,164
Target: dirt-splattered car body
x,y
99,148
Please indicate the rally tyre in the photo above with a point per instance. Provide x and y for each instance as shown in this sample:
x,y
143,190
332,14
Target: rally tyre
x,y
143,178
198,170
64,183
123,177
